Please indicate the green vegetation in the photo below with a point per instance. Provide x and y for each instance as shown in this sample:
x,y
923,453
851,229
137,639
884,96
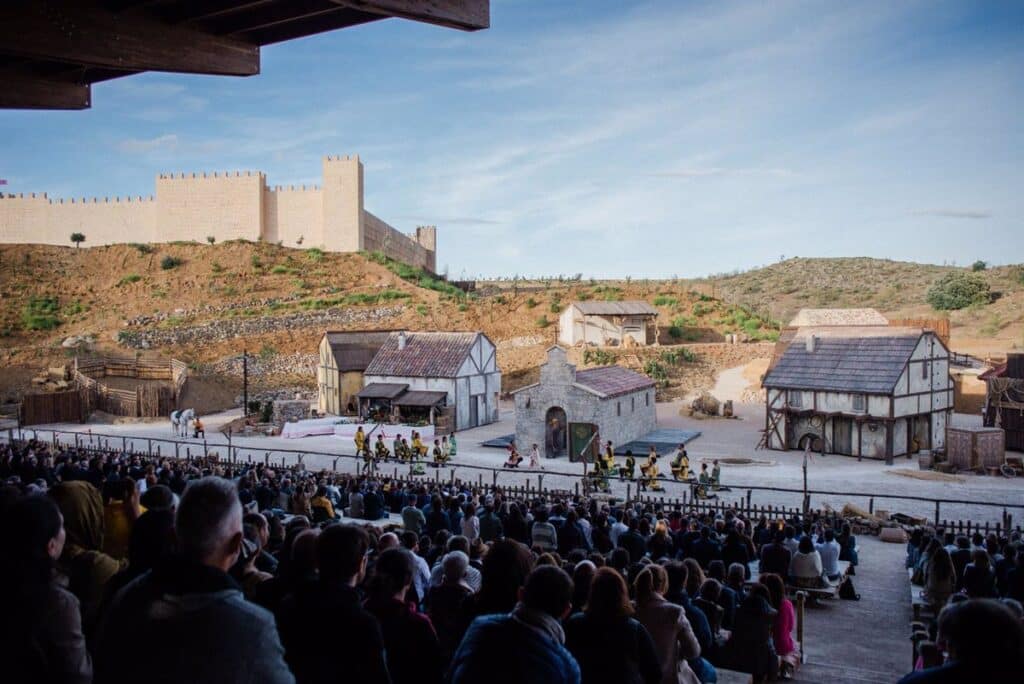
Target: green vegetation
x,y
40,314
531,303
556,308
608,293
598,357
78,239
739,318
73,309
255,261
211,239
141,247
315,254
267,351
958,290
216,267
355,299
279,269
979,265
129,279
421,309
665,300
674,357
657,372
169,262
699,309
543,322
416,276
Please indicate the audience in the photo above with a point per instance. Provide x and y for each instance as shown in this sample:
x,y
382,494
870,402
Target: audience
x,y
674,640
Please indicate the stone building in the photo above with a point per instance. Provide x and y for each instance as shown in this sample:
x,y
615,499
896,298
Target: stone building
x,y
567,407
872,391
607,323
224,206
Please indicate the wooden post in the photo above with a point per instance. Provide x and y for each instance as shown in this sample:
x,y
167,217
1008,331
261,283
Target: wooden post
x,y
124,445
176,457
149,447
76,439
206,450
801,598
871,505
936,511
629,492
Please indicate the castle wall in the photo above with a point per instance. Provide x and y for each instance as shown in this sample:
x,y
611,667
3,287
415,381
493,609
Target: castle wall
x,y
226,206
290,213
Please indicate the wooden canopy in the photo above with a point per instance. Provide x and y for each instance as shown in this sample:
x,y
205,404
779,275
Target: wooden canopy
x,y
51,51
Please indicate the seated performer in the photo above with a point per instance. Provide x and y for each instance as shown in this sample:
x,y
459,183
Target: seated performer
x,y
628,471
439,456
198,429
381,449
681,464
419,449
514,459
609,457
650,471
716,475
402,451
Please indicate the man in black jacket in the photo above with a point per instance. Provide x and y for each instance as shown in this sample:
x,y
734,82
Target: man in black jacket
x,y
309,619
775,557
633,542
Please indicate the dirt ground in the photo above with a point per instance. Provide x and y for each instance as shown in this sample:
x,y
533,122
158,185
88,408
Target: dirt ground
x,y
210,394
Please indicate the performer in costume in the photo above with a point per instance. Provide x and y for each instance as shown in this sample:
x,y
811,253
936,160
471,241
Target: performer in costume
x,y
627,471
381,449
681,464
360,440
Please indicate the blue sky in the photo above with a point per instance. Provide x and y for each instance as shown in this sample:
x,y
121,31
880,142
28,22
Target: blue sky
x,y
608,138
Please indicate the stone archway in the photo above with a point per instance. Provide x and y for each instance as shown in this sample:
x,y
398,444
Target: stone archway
x,y
814,439
556,432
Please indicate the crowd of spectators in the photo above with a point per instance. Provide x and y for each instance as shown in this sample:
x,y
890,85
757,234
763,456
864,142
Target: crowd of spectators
x,y
974,591
124,568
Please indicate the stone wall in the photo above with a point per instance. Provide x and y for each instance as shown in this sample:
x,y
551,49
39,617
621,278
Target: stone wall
x,y
225,206
290,410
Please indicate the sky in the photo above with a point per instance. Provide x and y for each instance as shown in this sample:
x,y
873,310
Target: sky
x,y
609,138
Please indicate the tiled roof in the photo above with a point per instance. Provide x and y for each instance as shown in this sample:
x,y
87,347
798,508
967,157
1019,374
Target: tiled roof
x,y
426,355
825,317
865,360
353,350
420,398
633,308
612,381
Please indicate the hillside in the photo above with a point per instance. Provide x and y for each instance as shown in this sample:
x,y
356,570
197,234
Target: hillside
x,y
205,303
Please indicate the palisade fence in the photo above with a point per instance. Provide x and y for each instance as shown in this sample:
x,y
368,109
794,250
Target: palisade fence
x,y
528,484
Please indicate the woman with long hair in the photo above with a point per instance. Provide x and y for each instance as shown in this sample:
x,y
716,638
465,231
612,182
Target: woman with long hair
x,y
41,622
785,622
607,642
694,577
673,637
979,577
750,648
939,579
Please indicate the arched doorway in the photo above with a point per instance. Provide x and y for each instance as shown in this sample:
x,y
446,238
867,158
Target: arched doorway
x,y
813,439
556,433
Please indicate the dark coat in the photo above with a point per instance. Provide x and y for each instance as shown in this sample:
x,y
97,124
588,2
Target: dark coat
x,y
170,624
412,650
750,648
308,620
704,551
775,558
499,649
633,542
618,652
48,646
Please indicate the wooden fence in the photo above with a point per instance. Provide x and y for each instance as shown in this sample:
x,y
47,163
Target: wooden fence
x,y
142,401
52,407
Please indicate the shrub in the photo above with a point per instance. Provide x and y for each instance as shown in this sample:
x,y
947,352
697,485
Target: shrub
x,y
675,332
267,412
211,239
314,254
129,279
979,265
598,357
169,262
279,269
674,357
40,314
700,310
543,322
216,267
255,261
665,300
267,351
141,247
655,371
421,309
958,290
531,303
78,239
556,308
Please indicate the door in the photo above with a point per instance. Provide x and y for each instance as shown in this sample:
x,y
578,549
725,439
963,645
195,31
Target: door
x,y
474,411
581,440
842,439
555,433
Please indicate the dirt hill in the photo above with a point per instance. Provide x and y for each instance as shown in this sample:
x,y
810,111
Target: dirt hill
x,y
205,303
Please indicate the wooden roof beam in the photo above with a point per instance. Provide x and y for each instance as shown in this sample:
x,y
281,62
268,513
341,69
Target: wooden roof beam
x,y
467,15
77,33
20,91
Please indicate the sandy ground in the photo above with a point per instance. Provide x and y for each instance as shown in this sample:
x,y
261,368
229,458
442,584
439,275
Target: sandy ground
x,y
719,438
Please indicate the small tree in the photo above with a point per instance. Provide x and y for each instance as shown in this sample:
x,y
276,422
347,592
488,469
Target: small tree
x,y
78,239
211,239
957,290
979,265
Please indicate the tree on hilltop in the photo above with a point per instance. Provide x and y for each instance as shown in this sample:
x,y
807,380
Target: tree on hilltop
x,y
78,239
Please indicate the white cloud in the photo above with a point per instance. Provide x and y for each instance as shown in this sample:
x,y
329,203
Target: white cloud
x,y
142,146
955,213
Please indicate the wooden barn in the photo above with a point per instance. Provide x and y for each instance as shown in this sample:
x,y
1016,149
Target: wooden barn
x,y
344,355
607,323
1004,401
871,391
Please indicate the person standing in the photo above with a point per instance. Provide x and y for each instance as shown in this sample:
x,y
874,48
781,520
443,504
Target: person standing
x,y
360,440
535,457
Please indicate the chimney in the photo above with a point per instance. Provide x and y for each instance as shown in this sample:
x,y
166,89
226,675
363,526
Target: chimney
x,y
812,343
401,340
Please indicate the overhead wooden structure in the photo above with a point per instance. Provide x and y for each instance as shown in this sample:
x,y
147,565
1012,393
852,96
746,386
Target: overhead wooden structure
x,y
51,51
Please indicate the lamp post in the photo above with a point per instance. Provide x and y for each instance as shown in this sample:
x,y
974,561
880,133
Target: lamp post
x,y
245,385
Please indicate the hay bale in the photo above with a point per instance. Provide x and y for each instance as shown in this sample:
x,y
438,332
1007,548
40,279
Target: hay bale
x,y
893,535
706,404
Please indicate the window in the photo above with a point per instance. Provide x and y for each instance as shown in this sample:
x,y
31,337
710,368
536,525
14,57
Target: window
x,y
795,398
632,404
924,370
647,398
618,408
859,401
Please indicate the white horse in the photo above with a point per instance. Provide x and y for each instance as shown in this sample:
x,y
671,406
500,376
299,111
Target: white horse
x,y
180,421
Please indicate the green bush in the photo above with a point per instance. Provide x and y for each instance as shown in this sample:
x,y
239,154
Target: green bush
x,y
979,265
142,247
674,357
543,322
531,303
267,412
211,239
556,308
665,300
958,290
421,309
675,332
279,269
40,314
657,372
598,357
314,254
78,239
700,310
169,262
129,279
216,267
267,351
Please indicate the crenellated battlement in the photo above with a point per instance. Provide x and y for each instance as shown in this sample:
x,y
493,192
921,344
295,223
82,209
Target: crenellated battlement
x,y
224,205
